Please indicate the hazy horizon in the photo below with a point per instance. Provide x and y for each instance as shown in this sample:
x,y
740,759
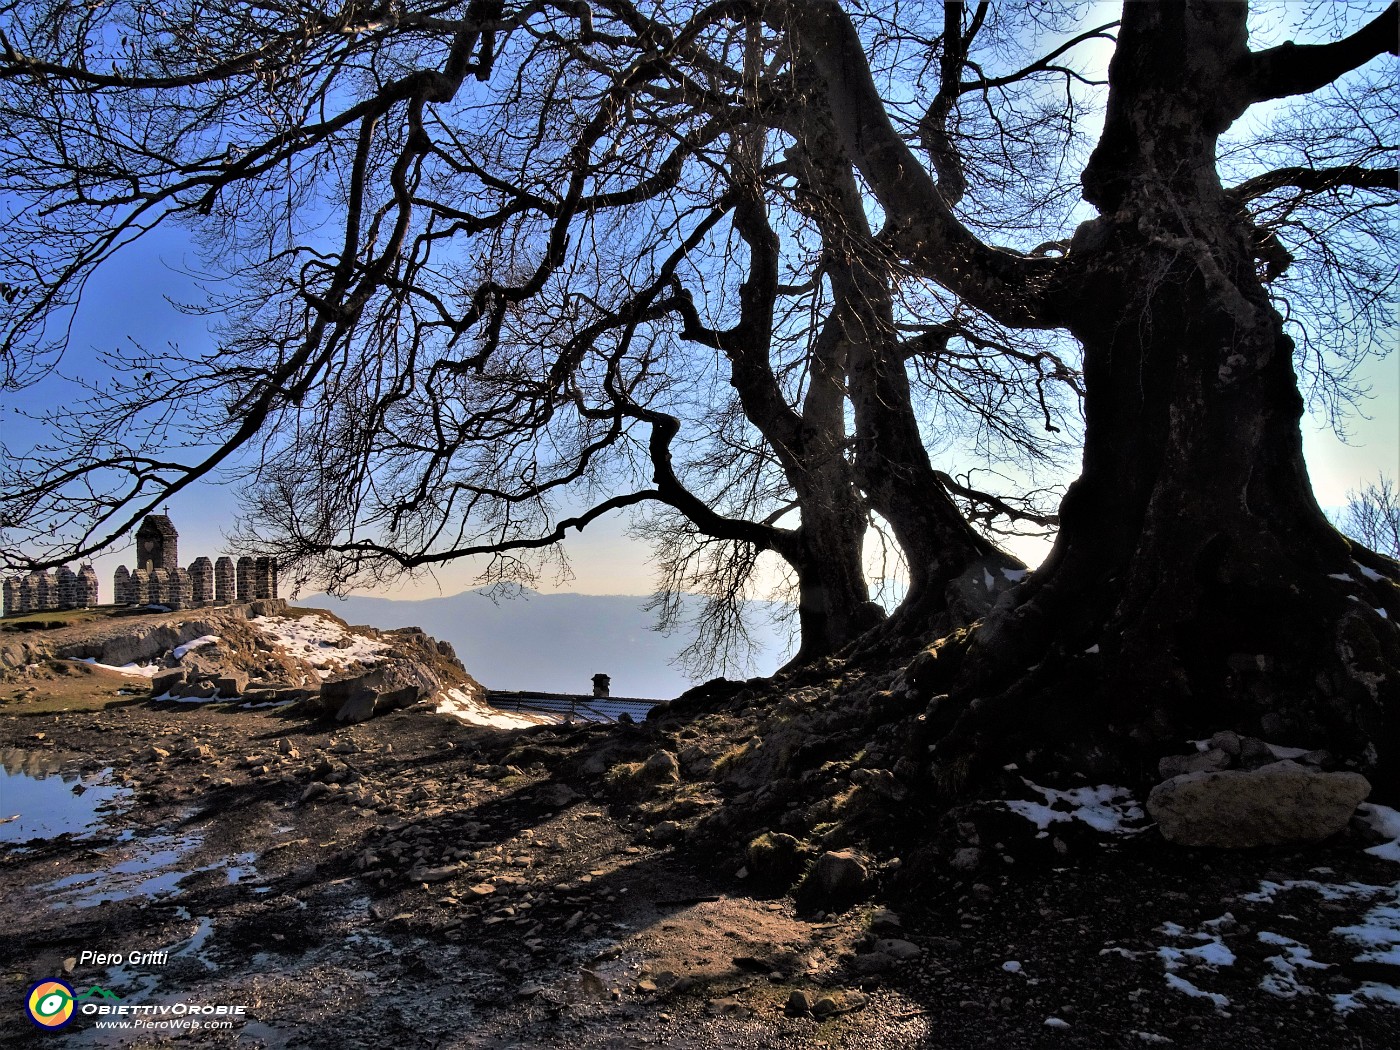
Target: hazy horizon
x,y
502,642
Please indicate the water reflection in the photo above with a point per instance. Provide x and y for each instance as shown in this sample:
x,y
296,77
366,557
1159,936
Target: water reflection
x,y
37,764
39,801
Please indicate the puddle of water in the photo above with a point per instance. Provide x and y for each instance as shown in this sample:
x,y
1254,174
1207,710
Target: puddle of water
x,y
152,871
194,949
241,867
37,803
141,984
37,764
155,870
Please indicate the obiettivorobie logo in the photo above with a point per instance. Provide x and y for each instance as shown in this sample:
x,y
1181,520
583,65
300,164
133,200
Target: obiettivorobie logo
x,y
52,1004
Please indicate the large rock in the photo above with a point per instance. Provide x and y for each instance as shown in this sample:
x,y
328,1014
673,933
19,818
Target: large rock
x,y
836,881
168,682
392,685
231,685
358,708
1278,805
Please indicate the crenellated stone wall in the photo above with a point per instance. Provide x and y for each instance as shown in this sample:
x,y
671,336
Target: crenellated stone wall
x,y
43,591
140,592
201,581
203,584
225,580
87,587
157,579
245,579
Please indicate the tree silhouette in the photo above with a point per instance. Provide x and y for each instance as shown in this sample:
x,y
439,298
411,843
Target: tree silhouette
x,y
491,261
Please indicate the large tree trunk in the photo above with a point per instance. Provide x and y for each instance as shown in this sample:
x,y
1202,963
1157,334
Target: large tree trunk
x,y
833,599
1195,584
955,574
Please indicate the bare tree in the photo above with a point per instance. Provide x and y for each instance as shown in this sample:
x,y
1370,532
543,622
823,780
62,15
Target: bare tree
x,y
503,337
727,259
1372,517
1192,531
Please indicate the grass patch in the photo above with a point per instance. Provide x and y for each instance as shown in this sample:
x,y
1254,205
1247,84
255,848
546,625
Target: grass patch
x,y
53,619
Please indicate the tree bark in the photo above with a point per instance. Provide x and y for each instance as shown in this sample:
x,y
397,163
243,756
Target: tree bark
x,y
955,574
1195,585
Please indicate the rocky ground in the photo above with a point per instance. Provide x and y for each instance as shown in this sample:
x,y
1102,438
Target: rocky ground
x,y
412,881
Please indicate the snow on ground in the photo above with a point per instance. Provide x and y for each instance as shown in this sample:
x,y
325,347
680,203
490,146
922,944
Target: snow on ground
x,y
142,670
1374,939
466,706
1284,981
197,643
1379,931
1204,957
1384,821
1103,807
322,643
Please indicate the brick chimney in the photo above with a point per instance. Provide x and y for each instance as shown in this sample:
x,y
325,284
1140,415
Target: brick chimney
x,y
601,684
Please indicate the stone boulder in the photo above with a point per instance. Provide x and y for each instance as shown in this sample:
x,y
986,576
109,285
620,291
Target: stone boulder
x,y
392,685
168,683
359,707
837,880
231,685
1282,803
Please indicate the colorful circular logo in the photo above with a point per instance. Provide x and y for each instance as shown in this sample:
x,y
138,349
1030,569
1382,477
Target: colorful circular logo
x,y
50,1003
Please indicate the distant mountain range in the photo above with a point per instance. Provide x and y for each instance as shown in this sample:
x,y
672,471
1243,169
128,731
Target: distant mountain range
x,y
554,642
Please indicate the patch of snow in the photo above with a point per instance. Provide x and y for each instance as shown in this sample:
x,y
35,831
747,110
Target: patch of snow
x,y
143,670
465,706
1384,614
1328,891
1011,966
1056,1022
1283,983
1345,1002
1370,574
1226,922
1200,745
1281,752
1104,807
1015,575
1378,930
1213,953
1093,648
988,580
1184,986
1150,1037
198,643
322,643
1209,955
1345,576
1384,821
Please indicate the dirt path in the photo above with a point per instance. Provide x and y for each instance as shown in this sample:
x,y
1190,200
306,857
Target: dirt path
x,y
414,882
